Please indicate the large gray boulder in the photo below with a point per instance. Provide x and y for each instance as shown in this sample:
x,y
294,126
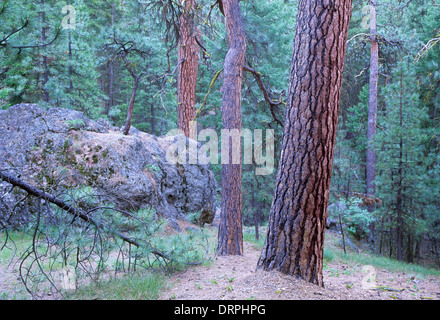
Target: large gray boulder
x,y
39,143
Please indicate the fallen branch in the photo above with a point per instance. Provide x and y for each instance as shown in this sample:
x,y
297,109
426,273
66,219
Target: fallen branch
x,y
58,202
386,288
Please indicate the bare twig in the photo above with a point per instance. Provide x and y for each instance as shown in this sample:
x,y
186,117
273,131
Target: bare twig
x,y
431,43
58,202
272,103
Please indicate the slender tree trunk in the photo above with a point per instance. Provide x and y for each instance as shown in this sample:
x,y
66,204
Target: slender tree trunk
x,y
110,88
255,210
391,244
45,93
399,227
295,239
342,231
70,64
152,118
131,105
417,250
372,115
230,235
409,252
257,231
372,103
437,256
380,242
111,71
188,51
70,68
70,60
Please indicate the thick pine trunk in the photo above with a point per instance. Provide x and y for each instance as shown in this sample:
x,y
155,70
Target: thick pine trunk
x,y
295,238
230,236
188,51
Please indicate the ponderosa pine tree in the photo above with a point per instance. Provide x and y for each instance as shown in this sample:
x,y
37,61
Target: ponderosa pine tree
x,y
372,104
402,162
230,234
188,57
295,237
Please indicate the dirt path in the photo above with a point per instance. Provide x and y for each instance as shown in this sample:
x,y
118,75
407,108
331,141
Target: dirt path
x,y
234,277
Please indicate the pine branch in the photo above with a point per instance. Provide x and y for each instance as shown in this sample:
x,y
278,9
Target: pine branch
x,y
16,182
58,202
268,99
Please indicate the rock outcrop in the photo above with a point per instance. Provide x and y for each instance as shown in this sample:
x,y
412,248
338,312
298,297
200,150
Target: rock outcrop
x,y
39,144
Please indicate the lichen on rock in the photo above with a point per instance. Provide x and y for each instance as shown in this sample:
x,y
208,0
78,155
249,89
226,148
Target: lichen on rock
x,y
40,143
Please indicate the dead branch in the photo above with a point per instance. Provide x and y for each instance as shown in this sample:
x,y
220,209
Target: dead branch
x,y
59,203
272,103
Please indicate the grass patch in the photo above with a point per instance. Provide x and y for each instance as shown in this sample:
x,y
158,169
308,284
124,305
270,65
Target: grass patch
x,y
183,248
333,253
138,286
389,264
16,245
249,236
329,254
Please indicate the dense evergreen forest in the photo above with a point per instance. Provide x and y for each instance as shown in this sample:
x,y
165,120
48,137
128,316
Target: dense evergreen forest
x,y
115,58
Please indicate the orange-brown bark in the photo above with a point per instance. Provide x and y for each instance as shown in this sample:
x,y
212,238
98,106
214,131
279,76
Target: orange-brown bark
x,y
295,239
230,237
188,51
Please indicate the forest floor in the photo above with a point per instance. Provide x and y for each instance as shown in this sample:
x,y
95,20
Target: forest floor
x,y
236,278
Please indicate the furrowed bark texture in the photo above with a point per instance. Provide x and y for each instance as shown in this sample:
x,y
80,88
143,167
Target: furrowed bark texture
x,y
230,236
295,238
188,51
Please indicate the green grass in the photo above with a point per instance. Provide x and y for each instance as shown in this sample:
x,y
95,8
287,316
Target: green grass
x,y
149,285
333,253
329,253
249,236
17,243
389,264
139,286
